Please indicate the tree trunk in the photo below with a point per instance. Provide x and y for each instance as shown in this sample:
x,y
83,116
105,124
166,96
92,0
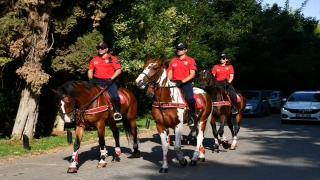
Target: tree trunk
x,y
27,115
36,47
58,123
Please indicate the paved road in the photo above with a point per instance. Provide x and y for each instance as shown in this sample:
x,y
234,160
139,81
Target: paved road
x,y
266,149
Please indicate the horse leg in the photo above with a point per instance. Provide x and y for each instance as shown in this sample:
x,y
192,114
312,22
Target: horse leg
x,y
199,153
224,141
116,135
74,159
177,145
215,135
235,132
134,132
165,146
102,143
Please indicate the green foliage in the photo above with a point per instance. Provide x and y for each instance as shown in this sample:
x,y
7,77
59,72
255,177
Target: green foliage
x,y
146,33
78,55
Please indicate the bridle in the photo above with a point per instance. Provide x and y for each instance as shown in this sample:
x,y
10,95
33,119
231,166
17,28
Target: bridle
x,y
153,82
81,110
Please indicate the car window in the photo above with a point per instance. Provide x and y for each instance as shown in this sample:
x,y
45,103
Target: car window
x,y
273,95
309,97
252,95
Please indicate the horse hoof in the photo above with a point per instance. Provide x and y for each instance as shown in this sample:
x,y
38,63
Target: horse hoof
x,y
215,151
233,147
183,162
163,170
225,144
201,159
137,154
100,165
72,170
115,159
193,163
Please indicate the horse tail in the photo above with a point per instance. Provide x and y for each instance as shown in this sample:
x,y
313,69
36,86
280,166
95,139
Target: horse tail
x,y
127,128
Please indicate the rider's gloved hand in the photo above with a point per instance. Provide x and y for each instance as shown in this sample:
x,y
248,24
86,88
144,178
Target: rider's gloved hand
x,y
178,83
109,82
91,81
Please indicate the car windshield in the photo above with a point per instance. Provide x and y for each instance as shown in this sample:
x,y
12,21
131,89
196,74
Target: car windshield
x,y
252,94
272,94
310,97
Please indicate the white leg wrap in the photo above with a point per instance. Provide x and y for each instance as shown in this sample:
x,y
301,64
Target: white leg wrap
x,y
74,159
118,150
135,145
103,152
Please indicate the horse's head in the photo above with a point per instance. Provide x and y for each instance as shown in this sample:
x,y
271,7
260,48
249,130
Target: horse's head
x,y
205,78
151,74
65,99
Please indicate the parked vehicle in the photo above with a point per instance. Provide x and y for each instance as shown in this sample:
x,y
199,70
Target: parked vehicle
x,y
301,106
276,99
257,103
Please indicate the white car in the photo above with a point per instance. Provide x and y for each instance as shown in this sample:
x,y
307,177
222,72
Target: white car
x,y
301,106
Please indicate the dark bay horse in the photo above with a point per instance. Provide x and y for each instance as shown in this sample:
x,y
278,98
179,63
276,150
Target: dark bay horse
x,y
169,110
88,104
221,108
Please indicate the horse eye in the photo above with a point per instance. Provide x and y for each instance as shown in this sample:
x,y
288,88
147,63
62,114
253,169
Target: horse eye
x,y
153,68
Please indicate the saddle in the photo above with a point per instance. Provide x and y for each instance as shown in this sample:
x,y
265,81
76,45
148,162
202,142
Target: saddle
x,y
107,95
226,102
198,101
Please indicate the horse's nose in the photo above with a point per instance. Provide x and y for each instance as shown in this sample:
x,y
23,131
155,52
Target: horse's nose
x,y
202,85
150,95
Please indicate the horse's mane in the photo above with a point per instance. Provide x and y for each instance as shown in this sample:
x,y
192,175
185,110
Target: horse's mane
x,y
157,60
69,88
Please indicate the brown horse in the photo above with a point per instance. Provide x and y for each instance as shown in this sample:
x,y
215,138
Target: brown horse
x,y
170,110
221,108
88,104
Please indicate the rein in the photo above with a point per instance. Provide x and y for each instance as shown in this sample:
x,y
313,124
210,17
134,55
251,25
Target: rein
x,y
81,110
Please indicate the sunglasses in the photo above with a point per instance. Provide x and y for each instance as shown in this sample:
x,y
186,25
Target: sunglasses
x,y
180,49
223,58
100,48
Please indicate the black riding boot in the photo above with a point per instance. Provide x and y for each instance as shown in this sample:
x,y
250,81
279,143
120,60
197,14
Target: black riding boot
x,y
191,113
116,108
234,109
233,96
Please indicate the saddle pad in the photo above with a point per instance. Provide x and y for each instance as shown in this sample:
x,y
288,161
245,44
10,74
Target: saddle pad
x,y
199,102
122,97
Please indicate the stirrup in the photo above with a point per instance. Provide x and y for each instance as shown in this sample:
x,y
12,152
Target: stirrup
x,y
190,121
117,116
234,111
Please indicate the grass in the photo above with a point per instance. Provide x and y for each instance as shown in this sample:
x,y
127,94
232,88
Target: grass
x,y
41,145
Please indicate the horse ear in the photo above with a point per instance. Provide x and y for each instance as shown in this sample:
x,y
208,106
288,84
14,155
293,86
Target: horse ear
x,y
163,59
148,58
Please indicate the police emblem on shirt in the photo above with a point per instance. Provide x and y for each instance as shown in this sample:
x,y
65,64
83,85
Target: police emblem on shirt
x,y
185,63
107,61
227,68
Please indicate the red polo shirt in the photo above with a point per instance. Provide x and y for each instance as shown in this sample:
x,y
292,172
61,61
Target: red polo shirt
x,y
103,69
181,67
222,72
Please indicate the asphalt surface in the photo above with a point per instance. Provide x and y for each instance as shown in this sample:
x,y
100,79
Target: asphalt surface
x,y
266,150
